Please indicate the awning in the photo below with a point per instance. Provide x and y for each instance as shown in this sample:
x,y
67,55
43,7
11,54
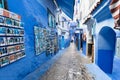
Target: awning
x,y
67,7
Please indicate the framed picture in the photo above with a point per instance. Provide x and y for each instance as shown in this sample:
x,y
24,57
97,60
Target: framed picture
x,y
10,40
11,49
21,39
16,32
3,51
8,21
12,58
5,60
22,47
10,31
21,32
19,55
2,20
2,41
16,23
2,31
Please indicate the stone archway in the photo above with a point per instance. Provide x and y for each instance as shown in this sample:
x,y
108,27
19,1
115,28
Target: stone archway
x,y
106,49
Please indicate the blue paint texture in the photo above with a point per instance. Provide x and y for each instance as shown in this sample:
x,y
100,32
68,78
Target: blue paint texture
x,y
105,60
33,12
106,49
106,11
84,47
116,69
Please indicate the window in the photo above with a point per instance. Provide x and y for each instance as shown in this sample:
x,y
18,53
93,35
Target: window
x,y
51,20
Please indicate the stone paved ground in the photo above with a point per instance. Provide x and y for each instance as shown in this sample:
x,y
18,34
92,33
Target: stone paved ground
x,y
70,66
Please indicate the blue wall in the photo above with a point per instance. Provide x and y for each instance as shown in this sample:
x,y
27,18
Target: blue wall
x,y
33,12
106,49
105,36
84,47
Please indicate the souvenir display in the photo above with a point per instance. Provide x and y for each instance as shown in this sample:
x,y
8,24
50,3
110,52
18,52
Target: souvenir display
x,y
2,41
16,23
11,39
22,47
17,47
21,39
19,55
39,40
45,40
10,31
8,21
4,60
2,30
52,43
3,51
17,40
21,32
11,49
2,20
12,58
16,32
21,24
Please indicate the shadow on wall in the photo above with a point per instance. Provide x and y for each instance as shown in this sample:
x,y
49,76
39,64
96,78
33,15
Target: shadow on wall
x,y
32,13
106,49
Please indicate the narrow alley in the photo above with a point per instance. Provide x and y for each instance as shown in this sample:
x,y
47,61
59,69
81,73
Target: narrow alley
x,y
59,39
70,66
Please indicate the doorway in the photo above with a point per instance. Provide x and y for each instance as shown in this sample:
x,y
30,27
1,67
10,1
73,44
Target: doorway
x,y
106,49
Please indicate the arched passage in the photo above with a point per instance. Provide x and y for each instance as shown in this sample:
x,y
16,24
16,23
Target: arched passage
x,y
106,49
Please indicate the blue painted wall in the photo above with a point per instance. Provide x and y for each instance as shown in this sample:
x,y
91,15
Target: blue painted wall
x,y
84,47
106,49
105,38
33,12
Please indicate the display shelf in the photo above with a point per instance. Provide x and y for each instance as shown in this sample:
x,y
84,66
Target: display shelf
x,y
7,54
4,54
12,61
8,14
11,26
11,44
11,37
21,57
4,64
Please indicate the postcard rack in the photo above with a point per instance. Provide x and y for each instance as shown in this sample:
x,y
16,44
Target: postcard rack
x,y
11,37
45,41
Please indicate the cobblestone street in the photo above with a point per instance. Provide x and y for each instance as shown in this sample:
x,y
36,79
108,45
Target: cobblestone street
x,y
70,66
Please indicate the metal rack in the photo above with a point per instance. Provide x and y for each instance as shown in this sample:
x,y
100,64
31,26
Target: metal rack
x,y
11,37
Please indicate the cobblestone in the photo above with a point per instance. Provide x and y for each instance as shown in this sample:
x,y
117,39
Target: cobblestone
x,y
70,66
